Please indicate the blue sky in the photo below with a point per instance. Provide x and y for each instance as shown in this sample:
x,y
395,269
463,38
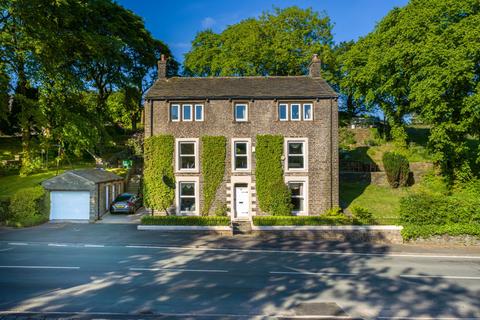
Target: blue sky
x,y
177,22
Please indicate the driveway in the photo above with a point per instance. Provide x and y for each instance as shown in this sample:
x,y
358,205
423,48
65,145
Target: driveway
x,y
117,218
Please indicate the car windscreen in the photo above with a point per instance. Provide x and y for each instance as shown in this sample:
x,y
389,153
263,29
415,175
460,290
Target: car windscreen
x,y
123,197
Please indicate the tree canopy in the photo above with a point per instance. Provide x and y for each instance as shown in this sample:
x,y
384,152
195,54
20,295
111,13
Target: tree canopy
x,y
281,42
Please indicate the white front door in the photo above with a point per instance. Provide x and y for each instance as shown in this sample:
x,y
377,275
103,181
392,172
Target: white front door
x,y
241,201
107,197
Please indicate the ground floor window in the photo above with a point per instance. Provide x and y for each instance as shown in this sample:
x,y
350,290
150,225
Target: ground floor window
x,y
297,190
187,197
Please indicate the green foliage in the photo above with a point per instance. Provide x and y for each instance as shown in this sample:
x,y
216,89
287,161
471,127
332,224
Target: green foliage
x,y
346,138
213,168
272,193
158,175
28,207
412,231
221,210
423,59
281,42
5,213
186,220
397,169
301,220
361,215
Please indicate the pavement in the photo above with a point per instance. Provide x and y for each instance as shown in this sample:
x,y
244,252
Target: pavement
x,y
113,271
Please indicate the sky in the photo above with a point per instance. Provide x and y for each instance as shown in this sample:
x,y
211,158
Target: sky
x,y
177,22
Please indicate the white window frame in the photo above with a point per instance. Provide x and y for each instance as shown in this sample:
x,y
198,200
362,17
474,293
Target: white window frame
x,y
177,154
235,112
189,179
195,112
305,154
248,141
191,112
304,180
286,111
311,111
179,112
299,111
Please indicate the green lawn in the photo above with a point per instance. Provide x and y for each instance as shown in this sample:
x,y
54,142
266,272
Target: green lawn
x,y
382,202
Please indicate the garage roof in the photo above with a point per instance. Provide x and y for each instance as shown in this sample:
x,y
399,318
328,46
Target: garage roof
x,y
84,179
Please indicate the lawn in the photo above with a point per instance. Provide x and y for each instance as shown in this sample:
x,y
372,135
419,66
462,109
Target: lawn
x,y
382,202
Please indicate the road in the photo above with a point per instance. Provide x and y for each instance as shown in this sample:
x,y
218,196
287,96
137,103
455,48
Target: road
x,y
115,270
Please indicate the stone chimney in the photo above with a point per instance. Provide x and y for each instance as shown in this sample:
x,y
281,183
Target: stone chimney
x,y
315,67
162,67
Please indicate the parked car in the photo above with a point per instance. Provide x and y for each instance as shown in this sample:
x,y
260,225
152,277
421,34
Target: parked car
x,y
126,203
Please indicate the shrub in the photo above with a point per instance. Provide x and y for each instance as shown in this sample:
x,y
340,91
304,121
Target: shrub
x,y
412,231
221,210
272,193
213,168
301,220
361,215
186,220
346,138
5,213
158,176
397,169
28,207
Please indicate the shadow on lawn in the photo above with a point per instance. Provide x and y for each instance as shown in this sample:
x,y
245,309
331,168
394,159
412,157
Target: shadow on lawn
x,y
250,288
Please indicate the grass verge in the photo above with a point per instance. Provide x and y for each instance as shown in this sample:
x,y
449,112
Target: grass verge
x,y
186,220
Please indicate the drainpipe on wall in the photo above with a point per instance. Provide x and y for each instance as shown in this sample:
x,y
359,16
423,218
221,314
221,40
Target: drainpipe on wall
x,y
331,153
151,118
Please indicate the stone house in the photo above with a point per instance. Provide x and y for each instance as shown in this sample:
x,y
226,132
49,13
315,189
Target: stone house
x,y
303,109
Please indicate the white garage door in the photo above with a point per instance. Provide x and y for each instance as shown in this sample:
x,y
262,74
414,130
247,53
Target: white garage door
x,y
71,205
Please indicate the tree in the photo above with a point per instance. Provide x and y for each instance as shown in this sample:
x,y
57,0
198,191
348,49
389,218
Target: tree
x,y
281,42
425,59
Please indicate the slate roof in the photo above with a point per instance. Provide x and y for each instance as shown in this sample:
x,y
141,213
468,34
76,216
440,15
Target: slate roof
x,y
286,87
84,179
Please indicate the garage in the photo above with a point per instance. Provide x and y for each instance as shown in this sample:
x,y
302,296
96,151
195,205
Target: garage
x,y
82,195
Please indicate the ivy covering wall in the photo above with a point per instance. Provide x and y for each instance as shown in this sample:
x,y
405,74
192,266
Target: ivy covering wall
x,y
213,168
272,193
159,179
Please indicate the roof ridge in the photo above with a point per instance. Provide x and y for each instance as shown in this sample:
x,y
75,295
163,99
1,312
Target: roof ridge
x,y
243,77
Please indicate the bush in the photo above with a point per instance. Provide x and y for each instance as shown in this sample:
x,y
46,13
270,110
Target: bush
x,y
397,169
5,214
272,193
186,220
361,215
213,168
221,210
301,220
158,176
28,207
412,231
346,138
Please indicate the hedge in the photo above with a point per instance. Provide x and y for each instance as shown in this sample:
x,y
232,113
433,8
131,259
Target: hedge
x,y
412,231
301,220
213,168
186,220
28,207
158,175
397,169
272,193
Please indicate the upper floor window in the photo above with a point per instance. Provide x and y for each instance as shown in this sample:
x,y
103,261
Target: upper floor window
x,y
175,112
241,155
283,112
295,111
241,112
187,155
199,112
187,112
296,154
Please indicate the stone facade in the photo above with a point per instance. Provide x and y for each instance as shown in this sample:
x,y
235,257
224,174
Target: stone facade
x,y
321,132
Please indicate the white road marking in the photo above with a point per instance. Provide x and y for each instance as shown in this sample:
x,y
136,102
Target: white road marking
x,y
18,244
313,273
392,254
38,267
57,245
6,249
438,276
428,318
177,270
94,246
